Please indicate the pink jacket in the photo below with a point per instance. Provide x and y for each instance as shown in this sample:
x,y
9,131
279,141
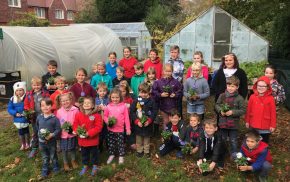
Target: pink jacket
x,y
120,112
204,70
63,116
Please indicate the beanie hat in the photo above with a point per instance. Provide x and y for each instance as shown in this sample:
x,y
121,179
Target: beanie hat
x,y
19,85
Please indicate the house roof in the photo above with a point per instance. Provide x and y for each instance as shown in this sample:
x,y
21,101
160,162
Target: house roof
x,y
38,3
69,4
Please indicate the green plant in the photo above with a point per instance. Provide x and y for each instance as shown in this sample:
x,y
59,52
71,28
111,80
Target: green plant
x,y
50,80
81,100
143,119
204,166
186,149
241,160
112,121
81,131
166,135
67,127
29,20
225,107
29,114
43,133
167,88
253,70
192,92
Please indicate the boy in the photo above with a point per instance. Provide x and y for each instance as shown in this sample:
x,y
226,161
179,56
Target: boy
x,y
137,79
229,119
101,76
259,154
48,79
143,107
177,127
47,142
211,146
32,102
60,85
119,76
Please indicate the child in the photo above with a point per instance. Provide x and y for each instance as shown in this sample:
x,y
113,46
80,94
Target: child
x,y
48,79
93,72
101,76
60,85
196,90
112,65
68,141
277,89
211,146
15,108
198,58
128,63
125,91
32,102
101,100
118,111
229,119
192,132
259,154
137,79
81,88
150,77
47,144
154,62
143,107
261,111
177,127
92,123
166,91
119,76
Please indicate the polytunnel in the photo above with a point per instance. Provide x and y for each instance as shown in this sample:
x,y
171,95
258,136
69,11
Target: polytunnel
x,y
28,49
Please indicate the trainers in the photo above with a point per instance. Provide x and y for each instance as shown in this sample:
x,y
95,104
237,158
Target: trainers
x,y
27,146
110,159
121,160
84,170
22,147
179,154
139,154
94,170
33,153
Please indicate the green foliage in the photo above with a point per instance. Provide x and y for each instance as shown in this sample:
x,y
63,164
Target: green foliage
x,y
66,126
186,149
225,107
29,20
187,64
112,121
253,69
81,131
89,14
166,135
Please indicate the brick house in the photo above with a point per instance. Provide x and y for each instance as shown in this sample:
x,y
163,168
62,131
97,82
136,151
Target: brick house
x,y
58,12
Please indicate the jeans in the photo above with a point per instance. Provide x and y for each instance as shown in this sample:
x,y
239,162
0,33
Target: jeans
x,y
263,172
48,152
169,146
34,141
233,135
87,152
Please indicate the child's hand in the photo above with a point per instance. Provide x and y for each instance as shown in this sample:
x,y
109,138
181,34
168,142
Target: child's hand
x,y
243,168
211,166
77,104
164,94
172,95
140,124
222,113
229,113
18,115
49,136
247,125
162,140
194,97
194,150
146,123
198,163
272,129
128,132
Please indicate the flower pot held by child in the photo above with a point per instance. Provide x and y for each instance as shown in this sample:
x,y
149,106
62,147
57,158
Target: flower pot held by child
x,y
112,121
241,160
225,107
186,149
81,131
67,127
43,133
204,166
29,114
166,135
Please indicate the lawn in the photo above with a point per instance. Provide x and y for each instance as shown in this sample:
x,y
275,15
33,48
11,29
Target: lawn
x,y
15,166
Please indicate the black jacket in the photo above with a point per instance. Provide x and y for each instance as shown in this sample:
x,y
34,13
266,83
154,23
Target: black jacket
x,y
45,81
192,136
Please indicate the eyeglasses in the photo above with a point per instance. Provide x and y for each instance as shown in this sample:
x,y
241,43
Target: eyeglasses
x,y
262,86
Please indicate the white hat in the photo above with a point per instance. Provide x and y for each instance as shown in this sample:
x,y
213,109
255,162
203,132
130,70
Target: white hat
x,y
19,85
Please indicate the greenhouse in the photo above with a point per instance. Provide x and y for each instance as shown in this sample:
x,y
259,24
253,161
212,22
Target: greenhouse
x,y
28,49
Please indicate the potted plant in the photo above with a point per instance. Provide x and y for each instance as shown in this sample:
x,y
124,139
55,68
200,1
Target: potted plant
x,y
166,135
81,131
241,160
167,88
111,121
225,107
67,127
186,149
43,133
204,166
29,114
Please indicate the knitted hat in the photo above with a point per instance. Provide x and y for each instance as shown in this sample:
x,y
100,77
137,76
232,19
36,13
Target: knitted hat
x,y
19,85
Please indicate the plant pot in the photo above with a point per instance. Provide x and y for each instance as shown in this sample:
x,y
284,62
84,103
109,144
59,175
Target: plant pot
x,y
205,173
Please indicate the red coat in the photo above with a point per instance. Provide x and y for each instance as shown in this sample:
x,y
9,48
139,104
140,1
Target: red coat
x,y
254,154
29,99
128,65
204,70
261,111
93,124
155,64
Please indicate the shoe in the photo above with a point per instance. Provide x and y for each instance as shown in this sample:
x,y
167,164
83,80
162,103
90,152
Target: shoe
x,y
33,153
56,169
74,164
27,146
22,147
110,159
179,154
121,160
66,167
94,170
44,173
139,154
84,170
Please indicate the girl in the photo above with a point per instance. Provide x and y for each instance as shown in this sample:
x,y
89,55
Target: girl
x,y
91,124
277,89
118,112
126,84
166,91
68,142
128,63
60,85
15,109
198,58
112,65
119,76
196,90
81,88
125,91
150,77
154,62
101,76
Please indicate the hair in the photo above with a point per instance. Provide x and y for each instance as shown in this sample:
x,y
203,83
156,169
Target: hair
x,y
92,101
47,101
272,67
127,89
112,53
200,54
116,91
127,47
101,63
194,115
174,112
59,78
102,85
151,70
196,65
126,84
120,69
138,66
253,134
154,50
174,47
233,80
82,70
52,63
168,65
211,122
143,87
36,79
236,62
58,98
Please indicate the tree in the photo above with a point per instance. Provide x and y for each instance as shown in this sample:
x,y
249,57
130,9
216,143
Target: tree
x,y
29,20
89,14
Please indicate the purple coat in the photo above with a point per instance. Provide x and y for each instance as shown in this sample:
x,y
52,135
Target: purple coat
x,y
167,103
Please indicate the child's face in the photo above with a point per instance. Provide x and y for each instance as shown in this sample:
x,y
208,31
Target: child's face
x,y
123,92
51,69
80,76
60,85
269,73
231,88
210,129
262,87
229,61
101,70
195,72
151,76
251,143
88,105
46,109
115,98
112,58
167,72
174,54
127,53
19,92
36,87
119,73
102,92
174,119
66,101
197,58
95,69
138,71
144,95
194,121
152,55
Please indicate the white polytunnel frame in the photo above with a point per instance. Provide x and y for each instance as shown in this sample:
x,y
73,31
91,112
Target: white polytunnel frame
x,y
28,49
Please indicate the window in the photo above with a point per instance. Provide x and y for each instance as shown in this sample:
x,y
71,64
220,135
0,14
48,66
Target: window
x,y
59,14
40,12
14,3
70,15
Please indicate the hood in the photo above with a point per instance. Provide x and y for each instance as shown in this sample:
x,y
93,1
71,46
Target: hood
x,y
19,85
156,61
267,81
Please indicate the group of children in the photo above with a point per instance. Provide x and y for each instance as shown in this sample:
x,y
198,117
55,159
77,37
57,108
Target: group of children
x,y
120,104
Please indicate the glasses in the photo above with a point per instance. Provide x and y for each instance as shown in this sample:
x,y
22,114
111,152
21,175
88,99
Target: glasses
x,y
262,86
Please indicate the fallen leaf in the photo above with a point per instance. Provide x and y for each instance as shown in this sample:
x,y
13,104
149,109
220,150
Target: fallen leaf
x,y
106,180
113,166
17,160
31,180
157,156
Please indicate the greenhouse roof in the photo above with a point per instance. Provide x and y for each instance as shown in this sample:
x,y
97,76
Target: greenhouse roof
x,y
132,29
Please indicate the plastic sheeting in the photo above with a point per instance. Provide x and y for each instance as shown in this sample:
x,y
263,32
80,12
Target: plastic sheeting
x,y
28,49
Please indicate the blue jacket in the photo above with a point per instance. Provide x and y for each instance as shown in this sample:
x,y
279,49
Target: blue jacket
x,y
111,70
14,108
97,78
